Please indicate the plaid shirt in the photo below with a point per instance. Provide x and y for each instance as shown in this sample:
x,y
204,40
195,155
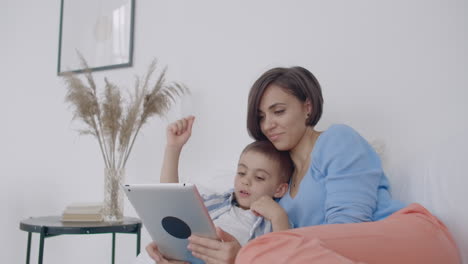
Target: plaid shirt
x,y
218,204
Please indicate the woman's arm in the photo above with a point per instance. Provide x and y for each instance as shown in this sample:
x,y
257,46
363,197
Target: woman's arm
x,y
352,172
177,133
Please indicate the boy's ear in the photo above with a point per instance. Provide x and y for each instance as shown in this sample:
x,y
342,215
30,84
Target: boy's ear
x,y
281,190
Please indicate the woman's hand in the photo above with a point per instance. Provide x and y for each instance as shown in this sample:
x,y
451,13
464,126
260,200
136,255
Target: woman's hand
x,y
269,209
214,251
154,253
179,132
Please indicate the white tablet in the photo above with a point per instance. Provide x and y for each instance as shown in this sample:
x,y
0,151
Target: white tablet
x,y
171,212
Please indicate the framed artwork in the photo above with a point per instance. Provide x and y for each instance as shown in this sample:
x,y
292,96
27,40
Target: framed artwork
x,y
101,31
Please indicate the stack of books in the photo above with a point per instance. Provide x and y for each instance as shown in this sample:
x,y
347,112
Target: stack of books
x,y
83,212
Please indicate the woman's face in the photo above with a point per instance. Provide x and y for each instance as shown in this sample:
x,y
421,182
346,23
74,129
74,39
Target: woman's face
x,y
282,117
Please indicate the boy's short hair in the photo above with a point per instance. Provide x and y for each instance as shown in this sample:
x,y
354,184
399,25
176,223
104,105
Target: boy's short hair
x,y
283,158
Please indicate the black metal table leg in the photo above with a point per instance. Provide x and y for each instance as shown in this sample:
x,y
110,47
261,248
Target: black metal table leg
x,y
28,253
138,239
113,248
41,244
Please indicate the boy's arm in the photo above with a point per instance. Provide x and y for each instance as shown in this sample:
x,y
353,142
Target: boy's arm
x,y
280,221
154,253
269,209
170,166
178,134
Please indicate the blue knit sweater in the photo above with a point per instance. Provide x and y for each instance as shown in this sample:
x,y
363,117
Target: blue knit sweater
x,y
344,184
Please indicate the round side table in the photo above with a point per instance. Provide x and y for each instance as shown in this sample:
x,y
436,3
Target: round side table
x,y
49,226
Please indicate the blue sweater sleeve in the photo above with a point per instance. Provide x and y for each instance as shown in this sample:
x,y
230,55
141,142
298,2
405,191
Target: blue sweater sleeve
x,y
352,171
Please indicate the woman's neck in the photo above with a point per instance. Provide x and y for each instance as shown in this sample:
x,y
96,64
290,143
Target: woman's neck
x,y
300,154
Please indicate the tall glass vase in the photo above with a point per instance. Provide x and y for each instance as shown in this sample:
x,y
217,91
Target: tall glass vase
x,y
113,194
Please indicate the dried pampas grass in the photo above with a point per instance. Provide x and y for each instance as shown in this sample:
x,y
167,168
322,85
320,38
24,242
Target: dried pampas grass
x,y
113,122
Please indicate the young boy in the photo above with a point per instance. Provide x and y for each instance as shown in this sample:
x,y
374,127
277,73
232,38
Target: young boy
x,y
247,211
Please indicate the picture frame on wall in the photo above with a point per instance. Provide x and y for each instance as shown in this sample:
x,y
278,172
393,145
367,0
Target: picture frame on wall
x,y
101,31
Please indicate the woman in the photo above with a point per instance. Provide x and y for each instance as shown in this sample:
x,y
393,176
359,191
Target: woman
x,y
339,199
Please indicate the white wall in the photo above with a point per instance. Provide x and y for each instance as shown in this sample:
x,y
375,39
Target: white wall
x,y
394,70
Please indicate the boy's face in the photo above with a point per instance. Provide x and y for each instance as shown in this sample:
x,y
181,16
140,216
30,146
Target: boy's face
x,y
257,176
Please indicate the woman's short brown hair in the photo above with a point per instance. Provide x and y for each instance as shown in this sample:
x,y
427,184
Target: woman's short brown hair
x,y
297,81
282,158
